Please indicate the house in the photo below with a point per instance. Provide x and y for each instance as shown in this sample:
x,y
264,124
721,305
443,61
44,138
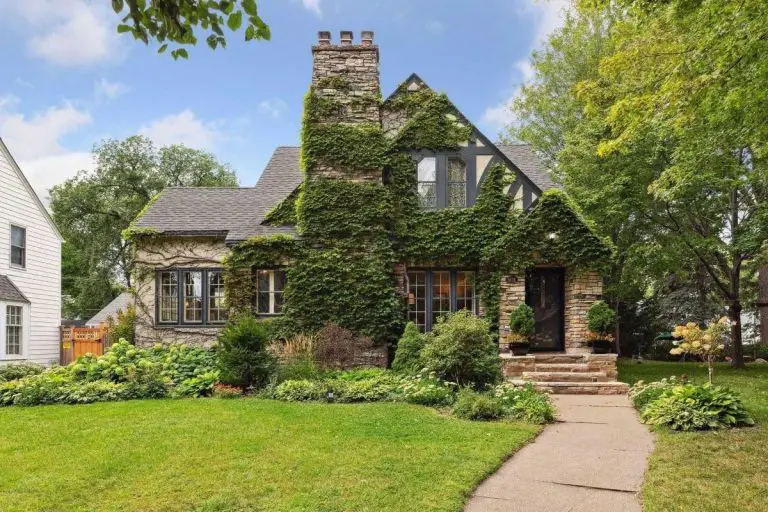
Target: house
x,y
30,271
391,210
121,303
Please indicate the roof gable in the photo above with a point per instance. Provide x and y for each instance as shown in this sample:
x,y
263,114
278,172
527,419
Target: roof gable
x,y
9,291
4,151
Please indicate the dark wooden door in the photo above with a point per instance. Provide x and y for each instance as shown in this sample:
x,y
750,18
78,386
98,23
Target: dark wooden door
x,y
544,292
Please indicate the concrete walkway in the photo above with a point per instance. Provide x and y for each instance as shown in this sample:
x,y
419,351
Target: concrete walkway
x,y
592,460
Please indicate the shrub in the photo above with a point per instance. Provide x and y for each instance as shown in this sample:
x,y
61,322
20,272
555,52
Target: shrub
x,y
642,393
408,354
706,343
365,390
601,319
425,391
471,405
124,327
296,358
357,374
299,391
525,403
19,370
182,362
337,347
49,387
521,321
690,407
93,391
199,385
244,360
460,349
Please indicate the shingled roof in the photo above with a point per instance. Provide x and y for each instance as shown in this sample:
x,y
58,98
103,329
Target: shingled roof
x,y
234,213
9,292
525,159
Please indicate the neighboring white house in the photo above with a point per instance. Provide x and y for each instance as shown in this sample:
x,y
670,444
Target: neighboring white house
x,y
30,271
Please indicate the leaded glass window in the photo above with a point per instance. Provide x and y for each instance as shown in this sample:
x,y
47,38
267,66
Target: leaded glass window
x,y
456,183
427,182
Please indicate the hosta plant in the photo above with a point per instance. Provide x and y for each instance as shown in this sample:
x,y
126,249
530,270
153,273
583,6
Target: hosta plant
x,y
690,407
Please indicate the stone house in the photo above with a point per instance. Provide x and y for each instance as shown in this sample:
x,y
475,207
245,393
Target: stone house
x,y
398,189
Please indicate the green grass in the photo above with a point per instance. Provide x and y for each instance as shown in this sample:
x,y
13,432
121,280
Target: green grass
x,y
247,454
709,471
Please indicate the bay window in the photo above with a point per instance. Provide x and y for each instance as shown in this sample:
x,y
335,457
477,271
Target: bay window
x,y
434,293
190,297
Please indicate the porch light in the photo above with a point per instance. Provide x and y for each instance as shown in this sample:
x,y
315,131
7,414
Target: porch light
x,y
329,395
552,235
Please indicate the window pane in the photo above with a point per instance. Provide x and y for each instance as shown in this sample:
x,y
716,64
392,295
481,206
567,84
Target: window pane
x,y
428,169
277,299
441,294
217,311
168,297
465,291
13,330
193,297
279,280
18,236
457,195
17,256
417,299
457,170
428,195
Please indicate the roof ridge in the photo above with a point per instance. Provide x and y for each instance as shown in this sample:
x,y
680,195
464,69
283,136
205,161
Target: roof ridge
x,y
207,188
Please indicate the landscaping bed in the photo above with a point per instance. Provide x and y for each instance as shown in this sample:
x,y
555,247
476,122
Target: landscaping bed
x,y
714,470
246,454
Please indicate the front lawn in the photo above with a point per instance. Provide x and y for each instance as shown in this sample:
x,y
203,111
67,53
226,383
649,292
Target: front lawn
x,y
709,471
245,454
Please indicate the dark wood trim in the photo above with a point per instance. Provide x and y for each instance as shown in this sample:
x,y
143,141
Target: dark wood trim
x,y
204,322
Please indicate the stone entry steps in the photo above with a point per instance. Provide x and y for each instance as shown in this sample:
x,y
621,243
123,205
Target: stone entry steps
x,y
558,373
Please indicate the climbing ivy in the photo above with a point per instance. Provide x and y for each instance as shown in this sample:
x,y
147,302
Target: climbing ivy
x,y
284,212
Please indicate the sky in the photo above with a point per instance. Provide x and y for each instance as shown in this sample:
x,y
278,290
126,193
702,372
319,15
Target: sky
x,y
68,80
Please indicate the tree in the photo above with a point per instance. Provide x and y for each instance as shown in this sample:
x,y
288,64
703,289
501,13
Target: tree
x,y
178,21
93,208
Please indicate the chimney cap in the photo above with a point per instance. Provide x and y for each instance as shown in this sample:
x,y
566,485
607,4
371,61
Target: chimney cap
x,y
324,37
346,37
366,37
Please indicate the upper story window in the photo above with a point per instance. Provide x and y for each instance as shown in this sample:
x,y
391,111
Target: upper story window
x,y
270,285
442,182
18,246
190,297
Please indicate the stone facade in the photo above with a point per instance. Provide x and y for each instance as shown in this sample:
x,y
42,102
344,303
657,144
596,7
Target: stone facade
x,y
581,291
172,252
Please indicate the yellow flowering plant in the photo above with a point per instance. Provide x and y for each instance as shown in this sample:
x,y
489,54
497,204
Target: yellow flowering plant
x,y
706,343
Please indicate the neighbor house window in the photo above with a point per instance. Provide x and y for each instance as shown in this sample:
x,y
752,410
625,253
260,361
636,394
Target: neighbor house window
x,y
190,297
427,182
18,246
270,285
434,293
13,330
442,182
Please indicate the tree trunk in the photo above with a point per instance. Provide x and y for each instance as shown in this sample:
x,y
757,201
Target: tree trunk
x,y
762,301
734,314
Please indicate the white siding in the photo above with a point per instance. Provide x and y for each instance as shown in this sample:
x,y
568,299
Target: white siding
x,y
40,281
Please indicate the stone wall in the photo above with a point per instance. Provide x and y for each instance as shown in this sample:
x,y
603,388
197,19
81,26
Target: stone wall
x,y
180,252
512,295
581,291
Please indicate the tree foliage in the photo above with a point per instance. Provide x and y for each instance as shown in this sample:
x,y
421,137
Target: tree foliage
x,y
92,209
182,21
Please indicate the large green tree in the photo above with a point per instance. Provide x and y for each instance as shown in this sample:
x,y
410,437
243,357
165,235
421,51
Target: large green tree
x,y
93,208
182,22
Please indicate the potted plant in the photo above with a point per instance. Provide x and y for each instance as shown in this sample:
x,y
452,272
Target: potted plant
x,y
601,320
521,324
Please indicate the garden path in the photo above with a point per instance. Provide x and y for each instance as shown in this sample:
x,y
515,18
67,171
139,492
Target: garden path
x,y
593,459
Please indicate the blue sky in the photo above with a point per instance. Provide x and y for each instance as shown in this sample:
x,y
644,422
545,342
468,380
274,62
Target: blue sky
x,y
67,80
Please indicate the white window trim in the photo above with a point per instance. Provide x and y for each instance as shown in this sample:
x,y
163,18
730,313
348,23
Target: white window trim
x,y
25,315
271,291
12,265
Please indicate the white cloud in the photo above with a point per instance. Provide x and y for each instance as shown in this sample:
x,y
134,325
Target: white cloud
x,y
104,89
547,16
66,32
183,128
436,27
35,142
312,5
272,107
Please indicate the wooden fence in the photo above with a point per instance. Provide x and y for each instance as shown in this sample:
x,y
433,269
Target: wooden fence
x,y
78,341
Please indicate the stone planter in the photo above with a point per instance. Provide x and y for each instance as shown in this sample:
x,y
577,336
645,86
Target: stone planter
x,y
520,349
601,346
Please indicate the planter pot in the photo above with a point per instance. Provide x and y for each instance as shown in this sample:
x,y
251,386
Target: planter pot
x,y
601,346
520,349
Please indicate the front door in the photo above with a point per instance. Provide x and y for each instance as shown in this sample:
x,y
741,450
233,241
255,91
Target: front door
x,y
544,292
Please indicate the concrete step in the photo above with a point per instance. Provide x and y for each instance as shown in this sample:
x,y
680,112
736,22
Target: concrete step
x,y
538,376
561,367
578,388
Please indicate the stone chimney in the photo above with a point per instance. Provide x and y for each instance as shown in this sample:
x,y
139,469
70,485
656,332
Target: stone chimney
x,y
348,73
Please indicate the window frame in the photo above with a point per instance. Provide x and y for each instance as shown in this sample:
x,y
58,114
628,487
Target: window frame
x,y
180,298
23,248
453,274
441,177
24,339
271,292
